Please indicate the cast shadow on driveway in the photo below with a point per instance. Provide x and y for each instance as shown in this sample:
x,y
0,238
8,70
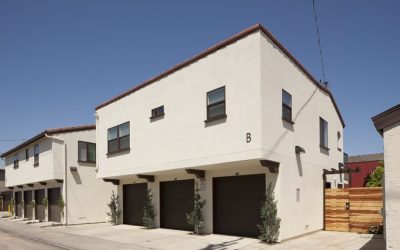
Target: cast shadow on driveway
x,y
222,245
375,243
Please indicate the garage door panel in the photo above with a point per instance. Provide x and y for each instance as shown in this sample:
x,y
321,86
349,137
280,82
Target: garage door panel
x,y
18,204
28,212
39,206
134,199
54,195
6,200
176,199
237,204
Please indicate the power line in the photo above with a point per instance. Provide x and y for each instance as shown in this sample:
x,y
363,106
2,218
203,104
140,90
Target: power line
x,y
319,44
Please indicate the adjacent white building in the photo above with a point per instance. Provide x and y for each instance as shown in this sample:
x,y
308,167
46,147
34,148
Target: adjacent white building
x,y
235,118
388,125
57,166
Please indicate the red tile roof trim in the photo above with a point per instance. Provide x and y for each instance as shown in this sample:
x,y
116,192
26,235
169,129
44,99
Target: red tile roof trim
x,y
218,46
51,131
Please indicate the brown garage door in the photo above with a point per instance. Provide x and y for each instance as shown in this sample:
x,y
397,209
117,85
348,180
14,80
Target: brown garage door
x,y
176,199
18,204
28,212
54,210
6,200
134,198
39,206
236,204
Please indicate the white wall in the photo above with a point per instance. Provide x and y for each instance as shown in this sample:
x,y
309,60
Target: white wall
x,y
254,72
86,197
48,168
182,138
279,139
391,137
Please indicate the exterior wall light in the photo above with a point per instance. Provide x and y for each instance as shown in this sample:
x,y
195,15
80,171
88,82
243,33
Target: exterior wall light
x,y
299,150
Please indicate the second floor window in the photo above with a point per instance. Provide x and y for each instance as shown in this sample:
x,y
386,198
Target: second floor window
x,y
36,155
118,138
16,161
157,112
86,151
216,107
323,133
286,106
27,154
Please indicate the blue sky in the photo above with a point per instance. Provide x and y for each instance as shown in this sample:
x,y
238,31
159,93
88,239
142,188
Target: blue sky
x,y
59,59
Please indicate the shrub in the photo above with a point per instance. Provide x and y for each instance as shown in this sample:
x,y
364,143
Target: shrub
x,y
148,211
114,212
375,229
269,228
195,217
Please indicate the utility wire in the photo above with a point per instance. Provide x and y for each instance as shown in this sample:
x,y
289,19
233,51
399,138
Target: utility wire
x,y
319,44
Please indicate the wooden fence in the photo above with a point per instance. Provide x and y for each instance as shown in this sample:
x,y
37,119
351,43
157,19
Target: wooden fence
x,y
353,209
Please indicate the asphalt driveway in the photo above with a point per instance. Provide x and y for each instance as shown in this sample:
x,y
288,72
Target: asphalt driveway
x,y
104,236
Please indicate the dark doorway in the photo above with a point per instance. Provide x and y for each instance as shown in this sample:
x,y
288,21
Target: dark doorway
x,y
39,206
54,195
134,198
237,204
176,199
28,204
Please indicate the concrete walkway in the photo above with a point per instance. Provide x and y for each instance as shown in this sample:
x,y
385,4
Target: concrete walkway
x,y
104,236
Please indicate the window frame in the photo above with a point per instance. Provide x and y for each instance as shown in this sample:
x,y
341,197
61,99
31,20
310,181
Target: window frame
x,y
217,117
16,161
118,139
36,155
87,152
153,116
285,106
323,130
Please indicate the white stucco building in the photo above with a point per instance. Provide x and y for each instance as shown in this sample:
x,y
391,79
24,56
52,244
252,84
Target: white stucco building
x,y
234,118
57,164
388,125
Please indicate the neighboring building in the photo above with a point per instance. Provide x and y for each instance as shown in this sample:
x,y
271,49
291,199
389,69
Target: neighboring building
x,y
58,164
366,165
235,118
388,125
5,194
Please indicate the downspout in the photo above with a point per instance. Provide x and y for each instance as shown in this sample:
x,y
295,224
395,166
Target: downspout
x,y
65,176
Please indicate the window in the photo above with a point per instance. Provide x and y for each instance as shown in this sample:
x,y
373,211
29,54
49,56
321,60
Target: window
x,y
157,112
323,133
286,106
26,154
86,151
118,138
216,104
16,161
36,155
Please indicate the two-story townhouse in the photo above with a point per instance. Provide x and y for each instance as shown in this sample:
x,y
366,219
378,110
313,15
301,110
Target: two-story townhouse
x,y
5,194
54,167
235,118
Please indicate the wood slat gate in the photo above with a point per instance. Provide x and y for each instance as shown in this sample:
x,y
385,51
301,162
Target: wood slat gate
x,y
353,209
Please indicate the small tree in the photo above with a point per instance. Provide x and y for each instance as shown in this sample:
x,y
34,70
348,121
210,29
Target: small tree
x,y
269,228
376,177
195,217
12,207
61,205
45,202
115,212
148,211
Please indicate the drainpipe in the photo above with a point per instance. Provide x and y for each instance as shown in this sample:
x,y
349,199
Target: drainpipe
x,y
65,175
